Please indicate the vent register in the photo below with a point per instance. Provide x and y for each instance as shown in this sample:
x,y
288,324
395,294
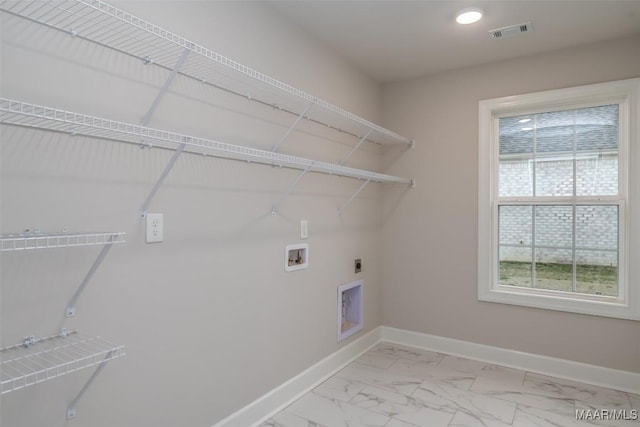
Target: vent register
x,y
511,30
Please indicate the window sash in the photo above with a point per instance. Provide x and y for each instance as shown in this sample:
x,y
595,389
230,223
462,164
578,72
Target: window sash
x,y
574,247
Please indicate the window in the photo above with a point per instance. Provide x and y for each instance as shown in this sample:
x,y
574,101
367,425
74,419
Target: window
x,y
559,200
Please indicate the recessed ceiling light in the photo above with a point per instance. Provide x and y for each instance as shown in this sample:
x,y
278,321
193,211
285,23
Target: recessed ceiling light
x,y
469,15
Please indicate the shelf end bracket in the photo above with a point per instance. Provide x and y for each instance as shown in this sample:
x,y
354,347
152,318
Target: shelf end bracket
x,y
71,409
161,178
353,150
291,128
71,307
353,196
274,208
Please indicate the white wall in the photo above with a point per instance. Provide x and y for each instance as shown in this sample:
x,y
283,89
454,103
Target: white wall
x,y
209,318
430,234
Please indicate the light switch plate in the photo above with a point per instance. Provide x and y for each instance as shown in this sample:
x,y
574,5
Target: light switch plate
x,y
304,229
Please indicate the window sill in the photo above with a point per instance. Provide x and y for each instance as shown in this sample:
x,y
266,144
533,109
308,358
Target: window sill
x,y
560,301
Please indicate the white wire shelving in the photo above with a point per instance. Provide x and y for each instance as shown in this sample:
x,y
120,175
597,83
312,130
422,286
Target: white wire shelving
x,y
35,116
108,26
30,240
37,360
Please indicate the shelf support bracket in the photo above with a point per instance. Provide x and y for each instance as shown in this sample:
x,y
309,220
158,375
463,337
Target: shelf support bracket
x,y
161,178
71,409
71,307
163,90
353,196
353,150
291,128
274,208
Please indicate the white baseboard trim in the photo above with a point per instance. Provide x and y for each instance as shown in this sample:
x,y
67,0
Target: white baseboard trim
x,y
282,396
561,368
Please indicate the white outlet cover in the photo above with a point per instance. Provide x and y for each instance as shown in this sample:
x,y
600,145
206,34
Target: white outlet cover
x,y
155,227
304,229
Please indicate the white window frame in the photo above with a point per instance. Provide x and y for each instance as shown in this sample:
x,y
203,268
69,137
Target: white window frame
x,y
627,94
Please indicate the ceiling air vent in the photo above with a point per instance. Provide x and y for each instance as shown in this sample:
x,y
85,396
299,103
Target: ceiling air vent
x,y
511,30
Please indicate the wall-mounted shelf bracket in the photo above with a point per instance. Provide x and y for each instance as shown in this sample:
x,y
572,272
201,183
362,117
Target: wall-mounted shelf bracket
x,y
274,208
163,90
71,307
161,178
71,409
291,128
353,150
353,196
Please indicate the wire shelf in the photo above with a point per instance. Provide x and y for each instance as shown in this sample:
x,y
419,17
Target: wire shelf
x,y
101,23
36,361
28,241
40,117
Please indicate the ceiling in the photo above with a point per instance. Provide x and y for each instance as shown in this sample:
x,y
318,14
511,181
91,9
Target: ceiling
x,y
398,39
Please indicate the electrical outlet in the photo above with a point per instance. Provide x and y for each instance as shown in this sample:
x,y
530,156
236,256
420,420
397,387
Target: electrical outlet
x,y
358,265
155,227
304,229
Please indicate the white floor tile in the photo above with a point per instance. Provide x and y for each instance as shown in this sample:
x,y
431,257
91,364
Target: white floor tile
x,y
463,419
450,399
399,406
358,372
433,372
335,413
409,353
339,388
556,387
482,369
517,393
287,419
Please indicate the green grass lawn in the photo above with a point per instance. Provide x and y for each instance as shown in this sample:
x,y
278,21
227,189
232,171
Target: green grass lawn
x,y
590,279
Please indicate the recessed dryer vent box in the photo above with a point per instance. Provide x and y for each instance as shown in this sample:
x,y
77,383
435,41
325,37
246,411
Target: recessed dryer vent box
x,y
296,257
350,309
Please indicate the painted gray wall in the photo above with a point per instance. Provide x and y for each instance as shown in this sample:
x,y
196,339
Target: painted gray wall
x,y
430,232
209,318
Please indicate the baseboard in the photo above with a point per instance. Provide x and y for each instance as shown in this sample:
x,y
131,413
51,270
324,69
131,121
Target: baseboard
x,y
280,397
561,368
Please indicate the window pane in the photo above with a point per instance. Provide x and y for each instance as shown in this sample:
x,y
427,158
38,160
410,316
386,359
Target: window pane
x,y
516,137
554,269
554,177
516,150
515,224
554,226
516,179
555,132
515,266
597,227
597,129
597,175
597,272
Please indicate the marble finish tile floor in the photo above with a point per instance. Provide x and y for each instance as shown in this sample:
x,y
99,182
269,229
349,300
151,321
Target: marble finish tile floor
x,y
397,386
